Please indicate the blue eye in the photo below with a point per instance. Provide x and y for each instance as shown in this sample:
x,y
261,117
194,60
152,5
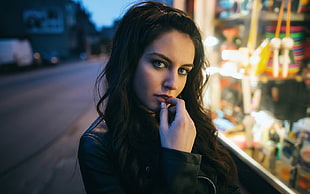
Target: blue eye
x,y
158,64
183,71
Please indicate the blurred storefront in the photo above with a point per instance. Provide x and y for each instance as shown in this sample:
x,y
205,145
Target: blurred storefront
x,y
259,89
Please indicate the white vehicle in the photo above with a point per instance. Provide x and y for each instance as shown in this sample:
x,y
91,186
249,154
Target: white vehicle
x,y
15,52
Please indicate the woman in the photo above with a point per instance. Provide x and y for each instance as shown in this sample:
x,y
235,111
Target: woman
x,y
152,134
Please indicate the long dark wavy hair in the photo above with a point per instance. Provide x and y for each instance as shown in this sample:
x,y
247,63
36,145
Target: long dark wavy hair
x,y
134,131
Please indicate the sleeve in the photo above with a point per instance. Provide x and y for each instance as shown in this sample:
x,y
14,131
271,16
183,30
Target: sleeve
x,y
179,171
180,174
96,166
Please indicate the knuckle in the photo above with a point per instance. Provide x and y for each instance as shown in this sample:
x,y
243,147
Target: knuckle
x,y
181,101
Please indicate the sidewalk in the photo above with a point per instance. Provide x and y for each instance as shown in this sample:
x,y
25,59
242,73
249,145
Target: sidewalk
x,y
66,177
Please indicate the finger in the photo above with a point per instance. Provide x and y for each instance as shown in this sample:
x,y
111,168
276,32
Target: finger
x,y
178,105
163,116
172,109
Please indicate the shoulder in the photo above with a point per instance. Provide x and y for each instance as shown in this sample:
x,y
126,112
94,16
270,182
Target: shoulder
x,y
97,135
98,129
95,153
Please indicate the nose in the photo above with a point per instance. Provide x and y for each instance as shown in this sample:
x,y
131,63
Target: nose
x,y
170,81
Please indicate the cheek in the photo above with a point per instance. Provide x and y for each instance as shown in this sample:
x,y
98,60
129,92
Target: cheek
x,y
141,85
142,82
181,85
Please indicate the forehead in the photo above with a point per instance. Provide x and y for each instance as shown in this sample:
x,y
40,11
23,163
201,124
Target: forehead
x,y
175,45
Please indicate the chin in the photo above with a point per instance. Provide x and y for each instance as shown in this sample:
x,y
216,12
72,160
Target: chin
x,y
153,107
149,108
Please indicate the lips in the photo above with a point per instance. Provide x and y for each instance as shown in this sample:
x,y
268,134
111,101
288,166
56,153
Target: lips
x,y
162,97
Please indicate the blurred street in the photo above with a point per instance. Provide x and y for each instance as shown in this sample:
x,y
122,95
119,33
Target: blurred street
x,y
42,116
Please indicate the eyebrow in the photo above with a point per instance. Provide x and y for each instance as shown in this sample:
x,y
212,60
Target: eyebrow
x,y
167,59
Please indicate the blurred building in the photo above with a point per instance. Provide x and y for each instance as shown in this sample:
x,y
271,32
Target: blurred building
x,y
58,26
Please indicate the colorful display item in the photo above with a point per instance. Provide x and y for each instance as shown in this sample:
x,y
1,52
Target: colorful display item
x,y
297,53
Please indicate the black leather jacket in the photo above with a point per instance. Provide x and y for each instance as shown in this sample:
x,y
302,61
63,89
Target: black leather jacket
x,y
180,171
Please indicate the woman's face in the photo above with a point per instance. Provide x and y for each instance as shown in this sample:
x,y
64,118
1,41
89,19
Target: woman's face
x,y
163,68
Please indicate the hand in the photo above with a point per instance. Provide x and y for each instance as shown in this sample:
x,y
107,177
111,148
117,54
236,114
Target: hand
x,y
180,134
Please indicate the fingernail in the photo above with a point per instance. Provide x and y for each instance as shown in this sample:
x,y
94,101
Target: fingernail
x,y
162,105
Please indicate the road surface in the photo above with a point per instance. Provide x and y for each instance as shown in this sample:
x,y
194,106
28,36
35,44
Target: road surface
x,y
43,113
